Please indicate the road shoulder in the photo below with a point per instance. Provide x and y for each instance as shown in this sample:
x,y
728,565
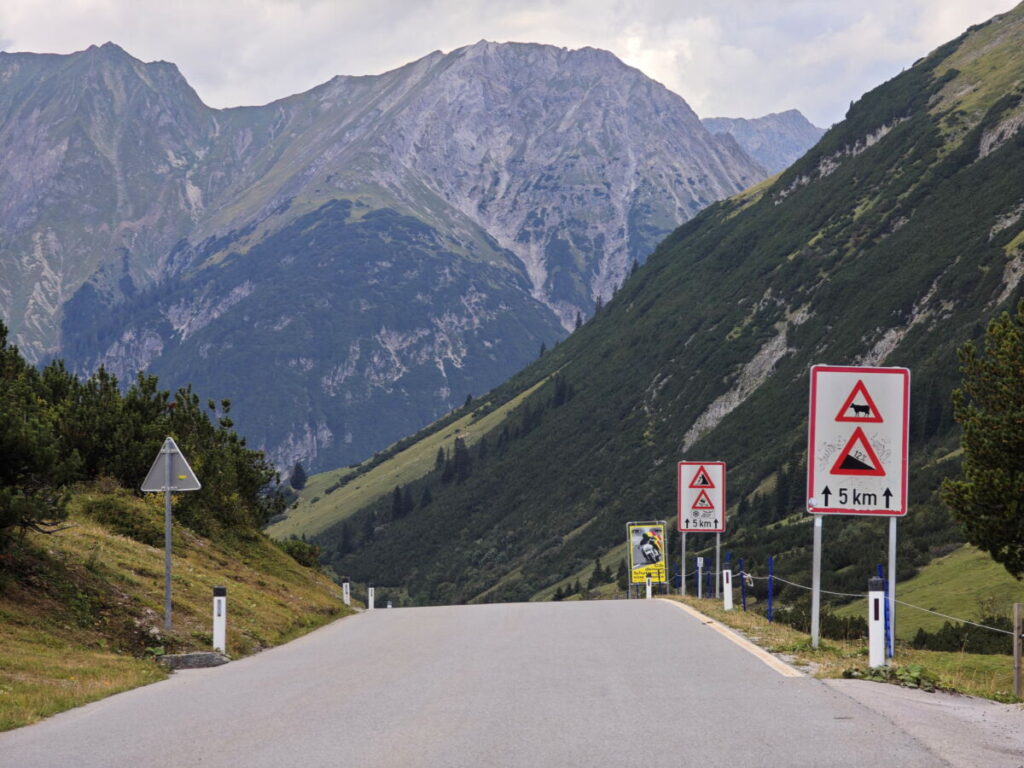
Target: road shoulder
x,y
965,731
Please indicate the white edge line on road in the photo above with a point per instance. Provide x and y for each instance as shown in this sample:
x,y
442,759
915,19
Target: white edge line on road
x,y
777,664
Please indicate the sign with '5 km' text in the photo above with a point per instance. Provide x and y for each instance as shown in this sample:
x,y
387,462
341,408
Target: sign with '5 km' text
x,y
857,440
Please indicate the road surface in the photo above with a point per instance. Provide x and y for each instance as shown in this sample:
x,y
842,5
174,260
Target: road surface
x,y
604,683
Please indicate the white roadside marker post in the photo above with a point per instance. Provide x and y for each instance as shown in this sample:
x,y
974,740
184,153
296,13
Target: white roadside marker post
x,y
700,577
346,592
369,598
220,619
727,590
876,623
648,586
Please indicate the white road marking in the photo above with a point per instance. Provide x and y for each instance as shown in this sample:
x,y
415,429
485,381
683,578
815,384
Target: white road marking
x,y
777,664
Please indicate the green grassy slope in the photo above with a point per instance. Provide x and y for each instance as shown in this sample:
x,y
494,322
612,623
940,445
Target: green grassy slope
x,y
966,584
331,497
892,242
81,611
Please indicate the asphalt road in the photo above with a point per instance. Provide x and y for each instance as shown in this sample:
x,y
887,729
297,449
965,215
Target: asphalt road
x,y
610,683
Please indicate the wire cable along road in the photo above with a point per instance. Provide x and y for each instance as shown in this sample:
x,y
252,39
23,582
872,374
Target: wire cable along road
x,y
603,683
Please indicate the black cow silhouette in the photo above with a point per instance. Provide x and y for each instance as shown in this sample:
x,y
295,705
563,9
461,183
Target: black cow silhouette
x,y
861,410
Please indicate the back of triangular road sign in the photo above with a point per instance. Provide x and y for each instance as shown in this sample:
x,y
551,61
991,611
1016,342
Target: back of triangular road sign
x,y
181,478
702,479
854,461
863,410
703,501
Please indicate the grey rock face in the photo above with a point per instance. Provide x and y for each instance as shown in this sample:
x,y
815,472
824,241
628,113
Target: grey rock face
x,y
539,173
775,141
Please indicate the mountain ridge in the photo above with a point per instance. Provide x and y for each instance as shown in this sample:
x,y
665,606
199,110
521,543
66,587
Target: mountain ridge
x,y
890,242
559,167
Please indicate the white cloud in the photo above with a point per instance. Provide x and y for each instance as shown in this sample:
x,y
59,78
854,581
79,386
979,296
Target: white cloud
x,y
725,57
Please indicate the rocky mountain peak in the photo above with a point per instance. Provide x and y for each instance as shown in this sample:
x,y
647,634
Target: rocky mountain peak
x,y
495,193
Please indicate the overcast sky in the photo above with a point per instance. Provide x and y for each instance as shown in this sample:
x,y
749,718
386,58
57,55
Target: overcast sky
x,y
734,58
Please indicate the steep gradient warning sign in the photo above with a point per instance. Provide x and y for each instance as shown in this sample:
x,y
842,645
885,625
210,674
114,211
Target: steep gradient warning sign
x,y
857,440
858,457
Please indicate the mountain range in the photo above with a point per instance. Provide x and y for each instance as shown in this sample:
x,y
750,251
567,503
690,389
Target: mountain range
x,y
892,242
348,263
775,141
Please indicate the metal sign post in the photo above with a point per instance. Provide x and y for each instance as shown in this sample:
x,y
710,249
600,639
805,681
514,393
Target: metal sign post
x,y
858,432
682,564
170,472
892,587
718,565
816,584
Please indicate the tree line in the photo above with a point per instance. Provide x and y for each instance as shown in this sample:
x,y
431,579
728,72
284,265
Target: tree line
x,y
57,430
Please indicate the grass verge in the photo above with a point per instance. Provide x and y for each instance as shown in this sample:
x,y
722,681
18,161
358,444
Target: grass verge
x,y
989,676
81,611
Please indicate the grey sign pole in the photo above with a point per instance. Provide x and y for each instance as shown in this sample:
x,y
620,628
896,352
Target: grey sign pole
x,y
892,587
682,564
167,538
170,472
816,584
718,565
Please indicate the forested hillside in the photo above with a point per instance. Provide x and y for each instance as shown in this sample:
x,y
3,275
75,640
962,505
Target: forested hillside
x,y
892,242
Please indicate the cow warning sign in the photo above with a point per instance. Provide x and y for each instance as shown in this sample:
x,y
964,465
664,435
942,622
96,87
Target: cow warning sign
x,y
701,496
857,441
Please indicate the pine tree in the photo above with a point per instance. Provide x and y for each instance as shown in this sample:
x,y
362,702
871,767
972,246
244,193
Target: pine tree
x,y
397,510
461,460
595,575
622,576
543,349
298,477
559,594
369,529
426,498
989,405
440,460
579,320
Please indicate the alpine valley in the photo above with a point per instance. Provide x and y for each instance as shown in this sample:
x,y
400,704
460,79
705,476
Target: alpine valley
x,y
350,263
893,241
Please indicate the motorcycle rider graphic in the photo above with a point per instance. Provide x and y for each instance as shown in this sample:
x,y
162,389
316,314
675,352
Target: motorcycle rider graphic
x,y
650,545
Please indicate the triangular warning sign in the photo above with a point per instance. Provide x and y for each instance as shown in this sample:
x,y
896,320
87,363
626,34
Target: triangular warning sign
x,y
702,479
859,407
703,502
170,471
858,461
